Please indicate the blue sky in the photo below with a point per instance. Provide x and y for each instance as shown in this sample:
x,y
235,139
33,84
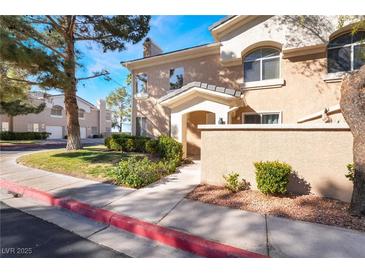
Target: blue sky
x,y
169,32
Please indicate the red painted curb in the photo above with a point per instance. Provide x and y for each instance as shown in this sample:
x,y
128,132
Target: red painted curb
x,y
167,236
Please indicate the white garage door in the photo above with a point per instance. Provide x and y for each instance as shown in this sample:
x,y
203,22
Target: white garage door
x,y
56,132
82,132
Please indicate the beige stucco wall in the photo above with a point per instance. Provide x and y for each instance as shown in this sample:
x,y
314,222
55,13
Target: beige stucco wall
x,y
304,91
205,69
44,119
284,30
319,156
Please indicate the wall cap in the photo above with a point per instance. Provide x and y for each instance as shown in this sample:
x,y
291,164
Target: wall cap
x,y
340,126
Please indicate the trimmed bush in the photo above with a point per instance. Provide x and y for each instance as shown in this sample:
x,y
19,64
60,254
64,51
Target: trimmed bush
x,y
151,146
8,135
169,149
126,142
272,177
235,185
137,173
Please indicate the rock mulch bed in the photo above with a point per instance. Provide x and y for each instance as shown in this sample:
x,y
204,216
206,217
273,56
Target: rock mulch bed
x,y
309,208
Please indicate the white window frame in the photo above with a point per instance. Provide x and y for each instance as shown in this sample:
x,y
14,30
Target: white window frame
x,y
143,130
146,87
78,113
261,113
352,46
183,68
35,127
4,126
261,59
57,116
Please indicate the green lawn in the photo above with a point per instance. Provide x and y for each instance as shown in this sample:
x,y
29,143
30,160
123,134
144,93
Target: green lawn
x,y
90,162
17,142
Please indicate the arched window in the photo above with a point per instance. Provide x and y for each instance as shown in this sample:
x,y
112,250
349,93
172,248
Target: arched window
x,y
261,64
56,110
81,113
346,52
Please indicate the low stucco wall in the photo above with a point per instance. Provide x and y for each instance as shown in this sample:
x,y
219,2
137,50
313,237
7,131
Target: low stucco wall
x,y
318,155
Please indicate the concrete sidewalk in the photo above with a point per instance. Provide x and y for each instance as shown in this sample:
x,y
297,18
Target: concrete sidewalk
x,y
163,203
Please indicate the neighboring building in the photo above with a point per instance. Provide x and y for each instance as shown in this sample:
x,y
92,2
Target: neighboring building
x,y
259,70
94,120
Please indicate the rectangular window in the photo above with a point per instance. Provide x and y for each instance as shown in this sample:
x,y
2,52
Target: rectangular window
x,y
359,56
141,83
270,69
339,59
261,118
252,71
5,126
94,130
176,78
108,129
81,113
141,129
108,116
270,118
56,111
35,127
252,119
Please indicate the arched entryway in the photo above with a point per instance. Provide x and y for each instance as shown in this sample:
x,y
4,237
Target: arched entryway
x,y
193,134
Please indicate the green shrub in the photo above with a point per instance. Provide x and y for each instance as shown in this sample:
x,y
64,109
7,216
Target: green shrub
x,y
169,149
140,144
151,146
125,142
235,185
137,173
9,135
272,177
350,172
129,145
107,141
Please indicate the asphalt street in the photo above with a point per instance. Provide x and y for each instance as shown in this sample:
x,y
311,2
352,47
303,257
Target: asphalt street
x,y
23,235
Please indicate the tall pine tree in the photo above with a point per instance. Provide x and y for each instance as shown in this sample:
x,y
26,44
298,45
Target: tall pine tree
x,y
45,47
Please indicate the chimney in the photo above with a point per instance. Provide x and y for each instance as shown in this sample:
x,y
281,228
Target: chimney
x,y
150,48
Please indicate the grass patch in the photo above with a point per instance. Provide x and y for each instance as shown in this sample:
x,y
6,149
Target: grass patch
x,y
19,142
91,162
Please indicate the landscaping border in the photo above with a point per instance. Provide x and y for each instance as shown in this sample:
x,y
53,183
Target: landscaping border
x,y
164,235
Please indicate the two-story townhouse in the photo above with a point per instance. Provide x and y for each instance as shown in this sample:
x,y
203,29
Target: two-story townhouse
x,y
94,120
259,70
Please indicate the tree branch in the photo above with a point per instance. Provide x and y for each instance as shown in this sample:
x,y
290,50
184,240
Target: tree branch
x,y
55,24
23,81
92,38
92,76
42,43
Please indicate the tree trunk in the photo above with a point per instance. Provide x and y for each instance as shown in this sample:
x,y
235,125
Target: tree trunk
x,y
353,109
72,113
11,123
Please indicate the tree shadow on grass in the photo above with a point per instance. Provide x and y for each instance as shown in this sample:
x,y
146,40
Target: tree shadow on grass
x,y
94,157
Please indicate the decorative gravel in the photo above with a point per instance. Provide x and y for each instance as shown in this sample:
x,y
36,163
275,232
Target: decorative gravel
x,y
309,208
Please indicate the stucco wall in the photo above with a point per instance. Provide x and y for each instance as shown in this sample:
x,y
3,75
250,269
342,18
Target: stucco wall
x,y
304,91
205,69
319,156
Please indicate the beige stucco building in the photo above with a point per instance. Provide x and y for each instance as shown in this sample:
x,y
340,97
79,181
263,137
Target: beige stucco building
x,y
260,69
270,74
94,120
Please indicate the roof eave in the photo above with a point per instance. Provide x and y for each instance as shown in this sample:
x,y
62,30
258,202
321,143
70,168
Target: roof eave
x,y
173,56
